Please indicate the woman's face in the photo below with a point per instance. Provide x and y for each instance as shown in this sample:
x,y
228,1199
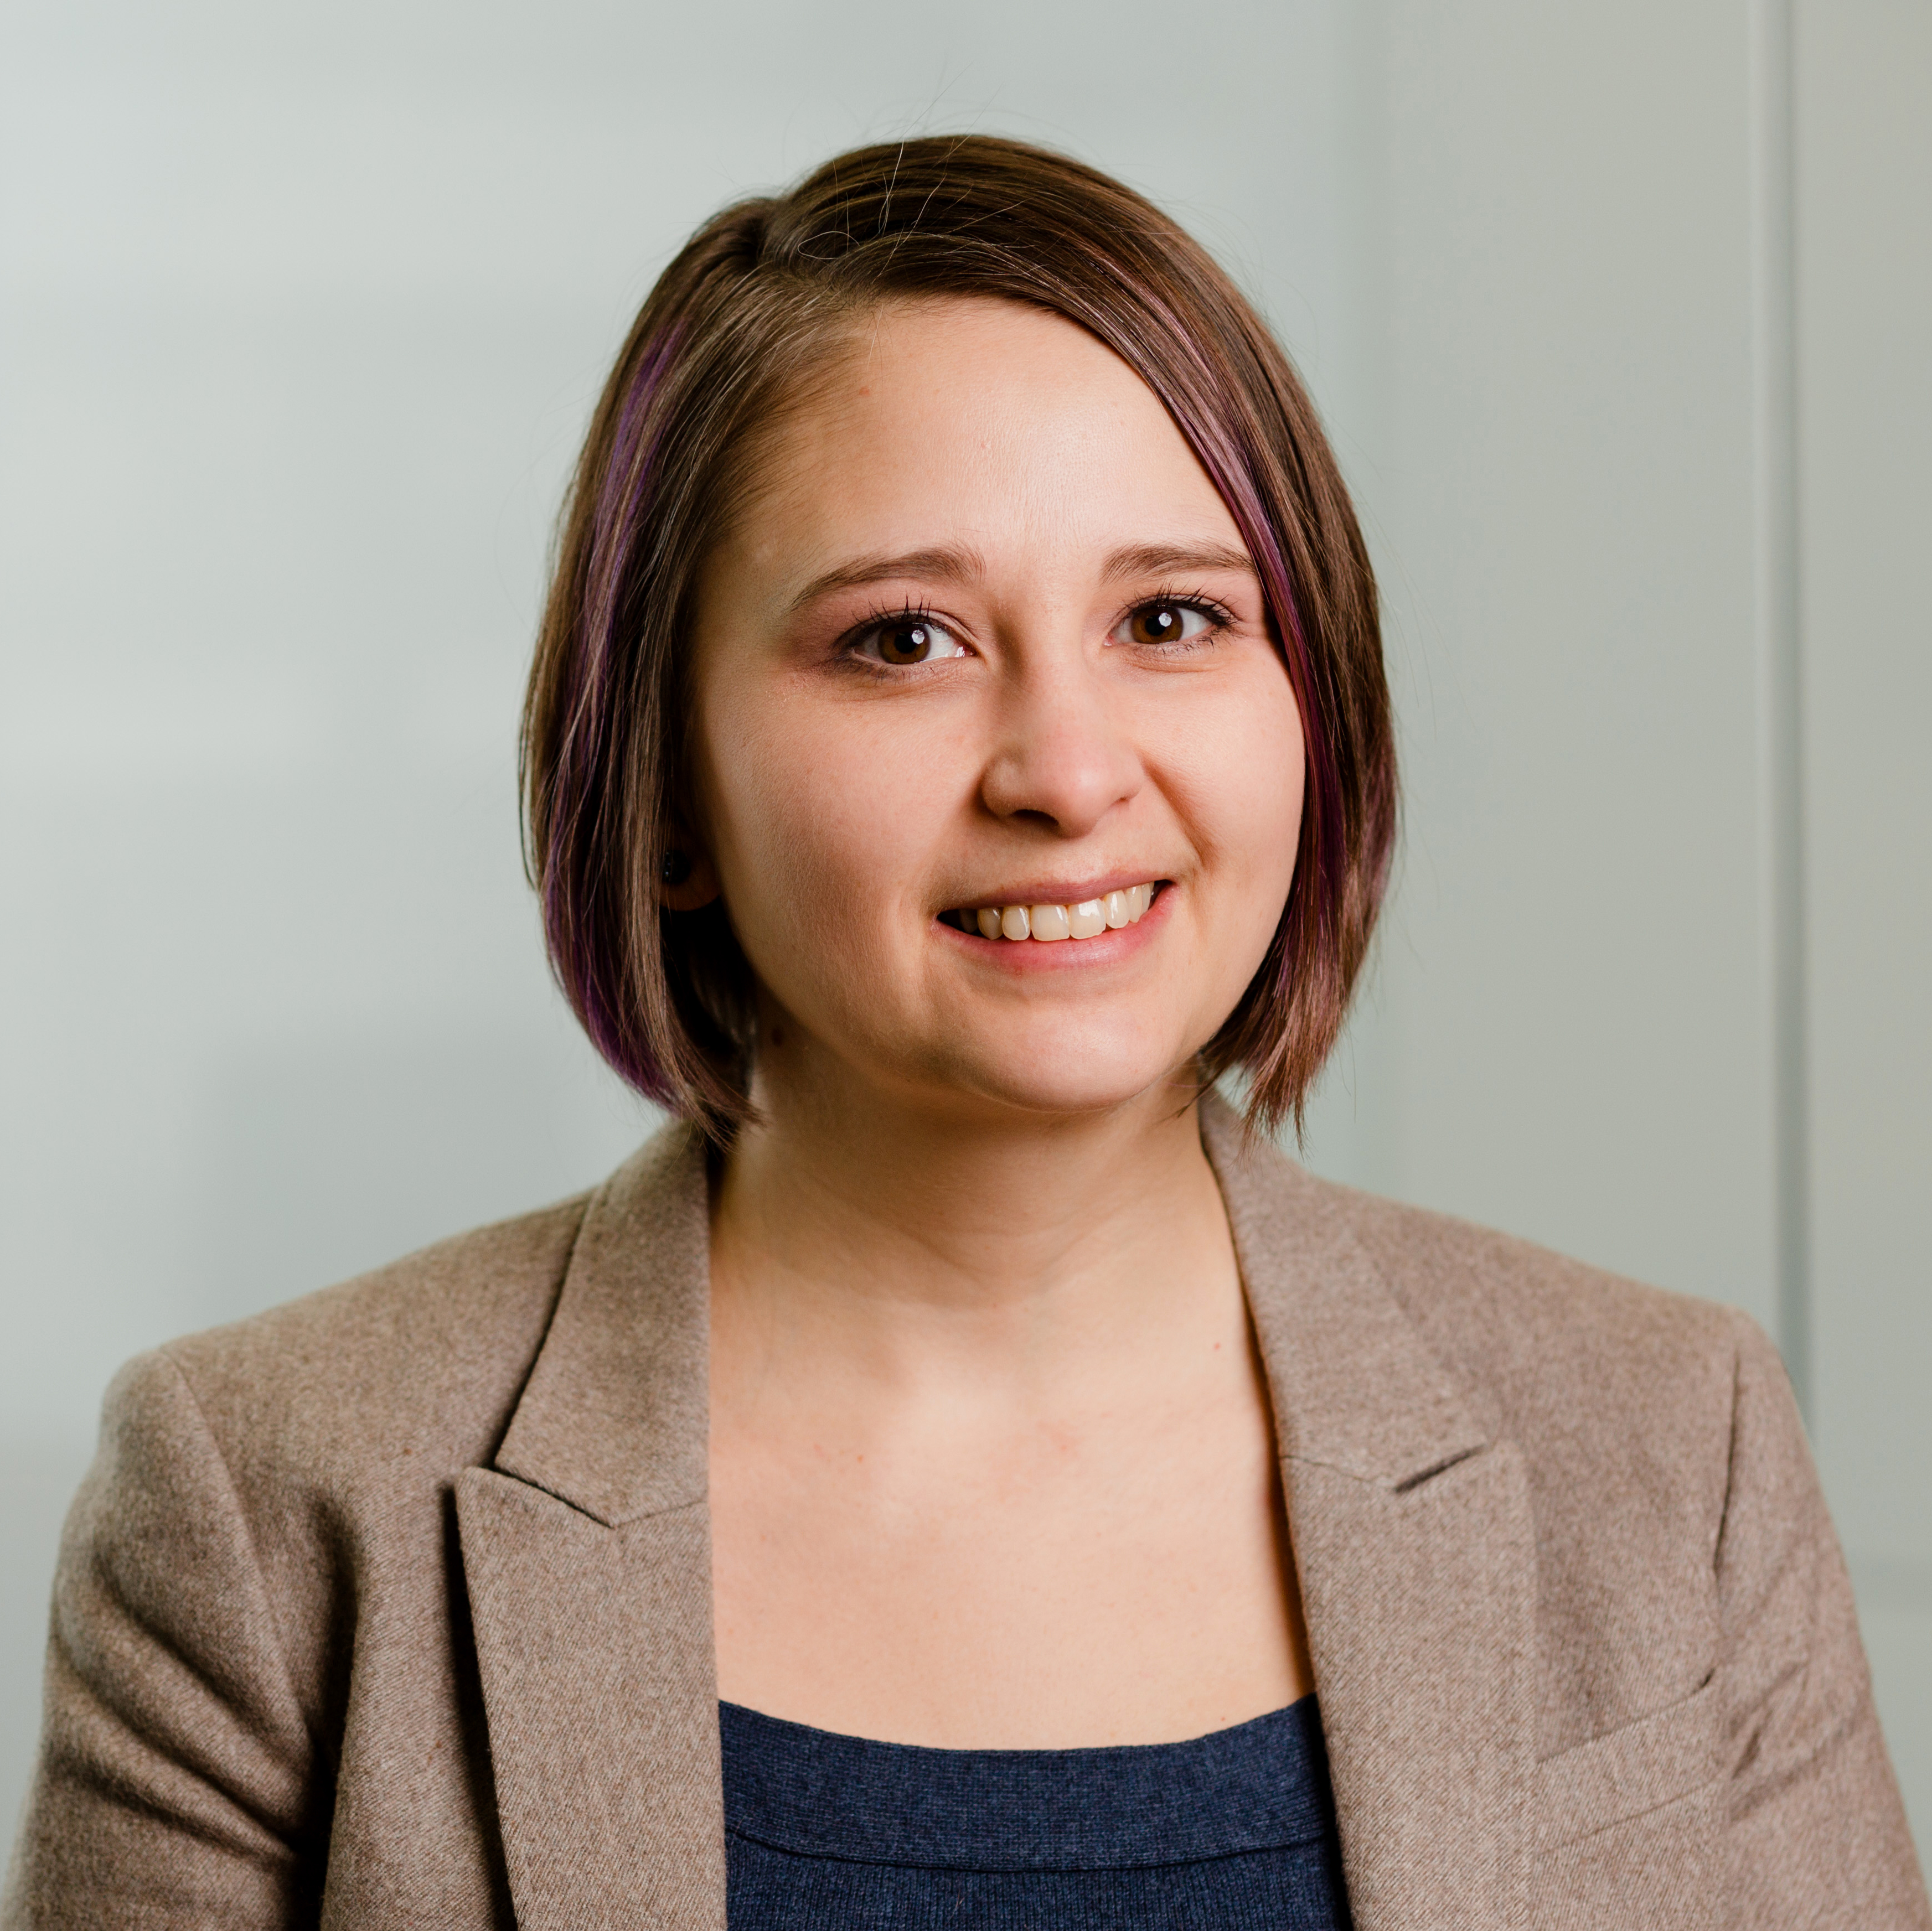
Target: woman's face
x,y
987,639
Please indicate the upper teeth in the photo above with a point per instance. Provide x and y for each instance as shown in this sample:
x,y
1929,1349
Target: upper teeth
x,y
1086,920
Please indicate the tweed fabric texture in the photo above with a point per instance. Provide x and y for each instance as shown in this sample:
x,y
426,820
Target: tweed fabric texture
x,y
1234,1831
392,1606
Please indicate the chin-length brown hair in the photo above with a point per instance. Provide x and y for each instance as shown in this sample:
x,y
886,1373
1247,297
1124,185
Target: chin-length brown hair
x,y
755,303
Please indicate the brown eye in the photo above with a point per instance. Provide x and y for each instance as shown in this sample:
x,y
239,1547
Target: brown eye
x,y
906,640
906,644
1160,623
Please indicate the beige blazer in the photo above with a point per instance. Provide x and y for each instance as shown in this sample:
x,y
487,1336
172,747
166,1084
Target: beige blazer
x,y
392,1608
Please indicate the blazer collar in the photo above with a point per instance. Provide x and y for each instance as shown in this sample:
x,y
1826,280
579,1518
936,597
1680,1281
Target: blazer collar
x,y
1354,1387
614,1418
587,1553
1415,1549
586,1557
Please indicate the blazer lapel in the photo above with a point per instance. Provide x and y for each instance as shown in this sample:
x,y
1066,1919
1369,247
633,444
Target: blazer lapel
x,y
1415,1550
586,1553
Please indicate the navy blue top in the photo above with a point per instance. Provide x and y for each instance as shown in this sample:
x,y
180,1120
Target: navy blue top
x,y
1233,1831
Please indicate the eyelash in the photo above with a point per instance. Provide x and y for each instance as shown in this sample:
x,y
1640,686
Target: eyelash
x,y
1219,616
846,650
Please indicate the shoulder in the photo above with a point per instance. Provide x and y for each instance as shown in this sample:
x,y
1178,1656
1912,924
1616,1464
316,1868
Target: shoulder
x,y
1666,1471
1562,1348
351,1411
1668,1476
261,1490
1676,1521
1540,1341
422,1357
1639,1412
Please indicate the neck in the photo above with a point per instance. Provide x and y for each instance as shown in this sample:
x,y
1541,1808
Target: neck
x,y
920,1246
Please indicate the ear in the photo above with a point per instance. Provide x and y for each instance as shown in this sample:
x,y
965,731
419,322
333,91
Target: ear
x,y
686,879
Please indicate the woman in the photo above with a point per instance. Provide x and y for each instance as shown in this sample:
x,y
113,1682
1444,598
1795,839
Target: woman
x,y
931,1483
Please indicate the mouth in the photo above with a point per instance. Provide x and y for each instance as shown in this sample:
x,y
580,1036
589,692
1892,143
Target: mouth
x,y
1046,923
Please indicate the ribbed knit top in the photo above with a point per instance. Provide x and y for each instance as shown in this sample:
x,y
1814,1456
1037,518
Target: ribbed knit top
x,y
1232,1831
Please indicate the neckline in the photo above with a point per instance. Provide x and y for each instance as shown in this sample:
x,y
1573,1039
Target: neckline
x,y
1259,1785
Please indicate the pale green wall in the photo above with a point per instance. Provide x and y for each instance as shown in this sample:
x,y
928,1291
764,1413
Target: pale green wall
x,y
302,314
1864,332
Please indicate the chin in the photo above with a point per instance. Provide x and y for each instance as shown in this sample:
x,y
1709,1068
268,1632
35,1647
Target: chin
x,y
1054,1080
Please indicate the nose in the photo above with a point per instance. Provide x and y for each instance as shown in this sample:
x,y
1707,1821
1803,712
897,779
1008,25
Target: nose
x,y
1062,761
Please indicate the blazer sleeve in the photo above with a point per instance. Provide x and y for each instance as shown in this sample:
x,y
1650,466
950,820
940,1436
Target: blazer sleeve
x,y
174,1784
1818,1834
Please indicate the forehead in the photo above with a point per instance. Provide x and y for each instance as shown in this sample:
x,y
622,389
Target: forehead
x,y
978,421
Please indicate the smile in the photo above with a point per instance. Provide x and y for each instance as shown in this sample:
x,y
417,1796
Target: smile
x,y
1087,919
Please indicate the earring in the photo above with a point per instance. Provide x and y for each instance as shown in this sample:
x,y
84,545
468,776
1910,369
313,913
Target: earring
x,y
674,867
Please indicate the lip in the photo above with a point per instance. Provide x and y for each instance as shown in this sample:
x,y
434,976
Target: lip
x,y
1025,957
1061,892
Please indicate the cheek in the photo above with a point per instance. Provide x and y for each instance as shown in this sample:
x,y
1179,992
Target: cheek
x,y
818,828
1246,783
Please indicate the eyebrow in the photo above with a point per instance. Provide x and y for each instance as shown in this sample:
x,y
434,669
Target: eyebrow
x,y
945,565
1155,559
956,565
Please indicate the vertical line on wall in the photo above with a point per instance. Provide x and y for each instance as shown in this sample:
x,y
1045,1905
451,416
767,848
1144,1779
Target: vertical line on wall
x,y
1780,772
